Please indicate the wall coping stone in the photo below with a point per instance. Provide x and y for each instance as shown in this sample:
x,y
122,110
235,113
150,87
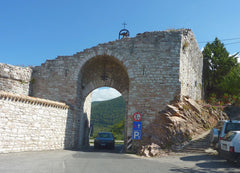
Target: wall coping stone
x,y
32,100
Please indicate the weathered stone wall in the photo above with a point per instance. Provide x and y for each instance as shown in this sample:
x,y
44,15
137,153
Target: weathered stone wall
x,y
85,120
87,107
15,79
150,70
191,65
31,124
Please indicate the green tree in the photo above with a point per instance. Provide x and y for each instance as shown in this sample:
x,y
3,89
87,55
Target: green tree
x,y
118,130
231,82
218,68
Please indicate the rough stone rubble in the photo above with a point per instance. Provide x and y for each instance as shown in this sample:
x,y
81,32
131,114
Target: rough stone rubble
x,y
177,125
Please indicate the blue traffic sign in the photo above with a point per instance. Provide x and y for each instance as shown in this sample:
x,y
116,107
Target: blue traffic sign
x,y
136,134
137,125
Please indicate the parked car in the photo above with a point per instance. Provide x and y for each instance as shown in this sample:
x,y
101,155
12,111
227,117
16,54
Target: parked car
x,y
104,139
230,147
221,129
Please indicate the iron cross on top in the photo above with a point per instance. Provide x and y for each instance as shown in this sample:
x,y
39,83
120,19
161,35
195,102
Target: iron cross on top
x,y
124,24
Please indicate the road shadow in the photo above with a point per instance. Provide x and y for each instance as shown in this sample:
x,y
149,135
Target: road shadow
x,y
201,170
200,157
118,149
207,163
105,153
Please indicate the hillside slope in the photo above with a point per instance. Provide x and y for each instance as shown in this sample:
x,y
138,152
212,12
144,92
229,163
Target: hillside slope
x,y
105,114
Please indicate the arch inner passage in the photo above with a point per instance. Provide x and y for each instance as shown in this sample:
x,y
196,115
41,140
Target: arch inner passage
x,y
101,71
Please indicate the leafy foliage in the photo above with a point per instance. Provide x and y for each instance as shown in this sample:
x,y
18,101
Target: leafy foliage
x,y
109,116
118,130
221,72
231,82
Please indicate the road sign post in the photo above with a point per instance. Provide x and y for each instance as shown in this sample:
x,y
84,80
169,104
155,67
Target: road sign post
x,y
137,127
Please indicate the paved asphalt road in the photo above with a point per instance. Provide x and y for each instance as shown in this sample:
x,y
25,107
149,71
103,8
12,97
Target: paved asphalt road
x,y
107,161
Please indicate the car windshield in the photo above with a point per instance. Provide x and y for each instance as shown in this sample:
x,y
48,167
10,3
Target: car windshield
x,y
232,127
229,136
105,135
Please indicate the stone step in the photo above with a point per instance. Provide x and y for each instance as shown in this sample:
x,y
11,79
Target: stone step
x,y
198,145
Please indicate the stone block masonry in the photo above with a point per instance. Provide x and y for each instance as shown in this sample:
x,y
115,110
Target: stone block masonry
x,y
150,71
32,124
15,79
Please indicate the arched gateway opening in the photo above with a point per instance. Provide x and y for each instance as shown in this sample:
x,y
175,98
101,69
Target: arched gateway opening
x,y
99,71
149,70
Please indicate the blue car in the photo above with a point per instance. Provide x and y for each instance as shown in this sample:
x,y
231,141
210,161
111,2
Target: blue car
x,y
104,139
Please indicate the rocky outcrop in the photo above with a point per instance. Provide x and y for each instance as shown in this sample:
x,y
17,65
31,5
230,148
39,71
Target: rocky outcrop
x,y
177,125
151,150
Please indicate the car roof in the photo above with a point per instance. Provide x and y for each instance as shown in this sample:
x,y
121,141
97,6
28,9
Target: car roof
x,y
228,121
105,132
235,121
238,132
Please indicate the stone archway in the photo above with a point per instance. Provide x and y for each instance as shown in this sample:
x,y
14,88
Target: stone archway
x,y
149,70
97,72
103,70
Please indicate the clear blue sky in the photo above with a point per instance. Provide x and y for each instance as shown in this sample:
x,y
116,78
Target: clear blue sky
x,y
32,31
